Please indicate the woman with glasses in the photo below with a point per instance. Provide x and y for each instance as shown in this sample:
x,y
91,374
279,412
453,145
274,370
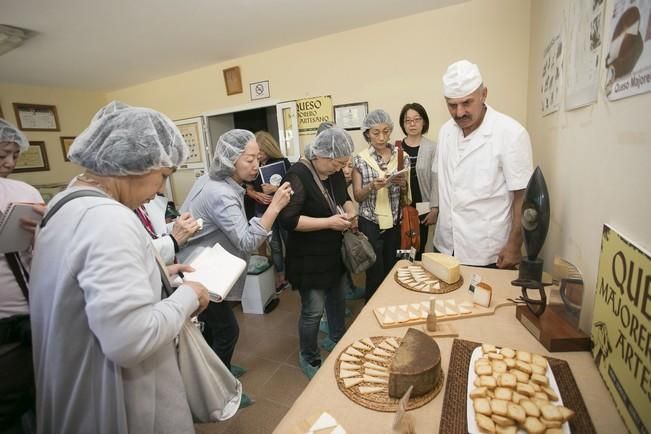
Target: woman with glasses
x,y
378,194
317,214
414,122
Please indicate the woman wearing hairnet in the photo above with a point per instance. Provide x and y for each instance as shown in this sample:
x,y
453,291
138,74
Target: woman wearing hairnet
x,y
379,195
218,198
313,258
16,373
103,337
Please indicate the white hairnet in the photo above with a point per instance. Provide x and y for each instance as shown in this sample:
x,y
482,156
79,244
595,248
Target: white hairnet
x,y
330,143
376,117
11,134
324,126
228,149
123,140
461,79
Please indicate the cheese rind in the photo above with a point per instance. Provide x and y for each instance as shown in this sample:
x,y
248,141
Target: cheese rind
x,y
442,266
417,362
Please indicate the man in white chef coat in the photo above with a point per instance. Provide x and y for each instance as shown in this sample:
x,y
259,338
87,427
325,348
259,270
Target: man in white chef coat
x,y
483,164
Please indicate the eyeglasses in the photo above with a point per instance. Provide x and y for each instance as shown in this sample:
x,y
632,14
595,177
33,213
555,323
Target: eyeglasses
x,y
413,121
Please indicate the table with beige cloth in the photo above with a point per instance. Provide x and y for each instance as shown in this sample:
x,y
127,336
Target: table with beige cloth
x,y
502,329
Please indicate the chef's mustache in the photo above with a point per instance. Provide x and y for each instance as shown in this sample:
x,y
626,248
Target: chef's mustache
x,y
462,118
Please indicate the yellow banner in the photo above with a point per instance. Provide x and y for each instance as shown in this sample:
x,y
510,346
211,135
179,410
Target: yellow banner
x,y
621,328
311,112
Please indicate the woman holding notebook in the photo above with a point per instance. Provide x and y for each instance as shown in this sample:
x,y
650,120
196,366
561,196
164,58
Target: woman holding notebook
x,y
103,328
218,199
262,189
378,194
16,373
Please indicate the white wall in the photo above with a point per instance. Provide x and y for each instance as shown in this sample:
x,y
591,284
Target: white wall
x,y
596,161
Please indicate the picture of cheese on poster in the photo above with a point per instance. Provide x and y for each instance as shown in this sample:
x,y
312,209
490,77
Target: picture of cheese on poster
x,y
621,327
628,61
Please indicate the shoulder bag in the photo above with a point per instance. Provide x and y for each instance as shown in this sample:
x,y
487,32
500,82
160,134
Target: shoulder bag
x,y
356,251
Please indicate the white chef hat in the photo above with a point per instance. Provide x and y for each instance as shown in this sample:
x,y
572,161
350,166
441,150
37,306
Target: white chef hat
x,y
461,79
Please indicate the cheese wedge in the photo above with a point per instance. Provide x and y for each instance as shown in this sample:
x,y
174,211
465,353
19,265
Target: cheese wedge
x,y
442,266
391,309
350,382
348,358
380,352
465,308
368,341
324,421
370,389
436,285
360,346
388,319
344,373
451,312
371,356
371,379
392,342
381,310
427,288
413,316
374,366
439,313
402,317
349,366
403,307
353,352
482,295
415,307
376,373
385,346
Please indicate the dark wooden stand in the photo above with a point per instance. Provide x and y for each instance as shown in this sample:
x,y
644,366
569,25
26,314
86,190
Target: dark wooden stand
x,y
554,329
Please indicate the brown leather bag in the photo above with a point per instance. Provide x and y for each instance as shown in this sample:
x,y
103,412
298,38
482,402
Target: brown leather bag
x,y
409,220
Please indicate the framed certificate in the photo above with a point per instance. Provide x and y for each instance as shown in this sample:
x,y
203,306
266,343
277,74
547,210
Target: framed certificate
x,y
350,116
36,117
34,159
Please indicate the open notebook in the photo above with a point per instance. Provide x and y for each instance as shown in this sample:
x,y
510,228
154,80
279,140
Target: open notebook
x,y
216,269
13,238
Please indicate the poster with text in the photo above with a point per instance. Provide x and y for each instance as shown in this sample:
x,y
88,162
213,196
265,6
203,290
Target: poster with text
x,y
621,327
311,112
584,30
551,75
628,61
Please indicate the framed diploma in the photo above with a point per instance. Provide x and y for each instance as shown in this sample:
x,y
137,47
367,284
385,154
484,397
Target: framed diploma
x,y
350,116
34,159
36,117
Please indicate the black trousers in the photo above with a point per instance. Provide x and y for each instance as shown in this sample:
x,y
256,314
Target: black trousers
x,y
385,243
16,383
221,330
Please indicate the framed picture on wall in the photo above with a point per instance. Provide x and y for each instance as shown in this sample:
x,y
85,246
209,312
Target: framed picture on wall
x,y
34,159
36,117
350,116
65,145
233,80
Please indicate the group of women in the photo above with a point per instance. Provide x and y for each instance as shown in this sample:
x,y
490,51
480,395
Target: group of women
x,y
102,327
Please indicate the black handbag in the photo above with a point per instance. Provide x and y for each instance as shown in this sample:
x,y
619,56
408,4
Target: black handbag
x,y
356,251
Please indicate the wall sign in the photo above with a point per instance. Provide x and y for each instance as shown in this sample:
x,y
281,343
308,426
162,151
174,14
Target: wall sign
x,y
259,90
621,327
311,112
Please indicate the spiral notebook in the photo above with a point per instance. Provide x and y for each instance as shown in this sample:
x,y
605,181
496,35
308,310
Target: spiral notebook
x,y
216,269
13,238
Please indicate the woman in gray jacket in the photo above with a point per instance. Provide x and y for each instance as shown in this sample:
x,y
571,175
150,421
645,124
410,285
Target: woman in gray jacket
x,y
414,122
218,198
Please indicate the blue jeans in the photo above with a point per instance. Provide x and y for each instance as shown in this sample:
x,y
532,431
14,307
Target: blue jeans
x,y
313,302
